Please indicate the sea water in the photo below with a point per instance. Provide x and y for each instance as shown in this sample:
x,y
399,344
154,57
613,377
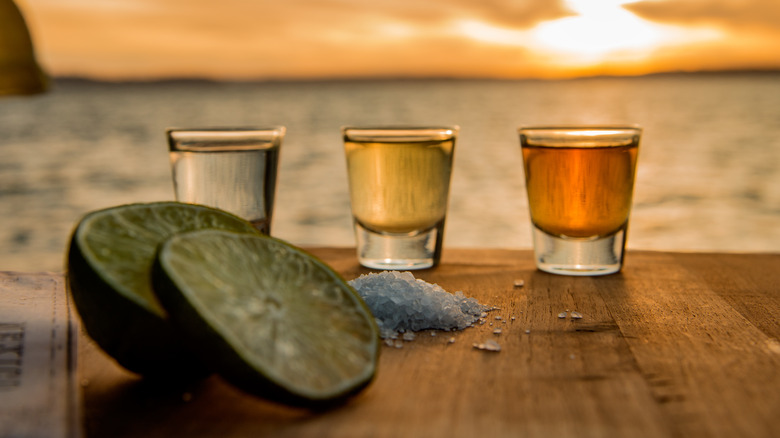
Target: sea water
x,y
708,173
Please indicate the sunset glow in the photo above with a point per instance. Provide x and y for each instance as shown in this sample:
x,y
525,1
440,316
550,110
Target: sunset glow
x,y
604,30
598,29
130,39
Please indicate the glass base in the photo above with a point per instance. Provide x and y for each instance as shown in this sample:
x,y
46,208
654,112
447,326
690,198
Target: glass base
x,y
420,250
582,257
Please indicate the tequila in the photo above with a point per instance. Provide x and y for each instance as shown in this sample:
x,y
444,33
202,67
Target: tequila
x,y
580,181
399,187
580,192
399,181
233,170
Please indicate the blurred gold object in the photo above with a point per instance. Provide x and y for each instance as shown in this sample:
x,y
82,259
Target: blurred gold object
x,y
19,71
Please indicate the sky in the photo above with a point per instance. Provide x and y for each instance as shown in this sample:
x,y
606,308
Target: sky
x,y
312,39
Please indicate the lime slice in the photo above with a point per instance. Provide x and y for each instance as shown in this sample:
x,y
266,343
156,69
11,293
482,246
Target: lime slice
x,y
268,317
108,273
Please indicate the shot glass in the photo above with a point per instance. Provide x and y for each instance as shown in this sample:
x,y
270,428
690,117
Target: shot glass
x,y
233,169
580,181
399,179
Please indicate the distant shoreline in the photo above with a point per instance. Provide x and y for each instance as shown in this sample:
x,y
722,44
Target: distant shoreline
x,y
197,80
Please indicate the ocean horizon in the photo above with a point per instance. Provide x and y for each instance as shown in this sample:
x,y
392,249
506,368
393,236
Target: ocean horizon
x,y
708,175
742,72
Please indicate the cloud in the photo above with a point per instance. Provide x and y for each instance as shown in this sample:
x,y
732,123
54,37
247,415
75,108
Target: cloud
x,y
729,14
280,38
342,38
306,15
512,14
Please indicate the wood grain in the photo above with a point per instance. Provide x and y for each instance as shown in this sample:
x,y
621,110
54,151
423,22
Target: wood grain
x,y
677,345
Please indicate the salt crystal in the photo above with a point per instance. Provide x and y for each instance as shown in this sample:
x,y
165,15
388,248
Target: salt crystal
x,y
408,336
497,331
519,283
562,315
451,340
489,345
400,302
527,331
576,315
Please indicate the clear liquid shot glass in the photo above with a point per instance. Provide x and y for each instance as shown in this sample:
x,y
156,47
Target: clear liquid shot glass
x,y
233,169
580,183
399,180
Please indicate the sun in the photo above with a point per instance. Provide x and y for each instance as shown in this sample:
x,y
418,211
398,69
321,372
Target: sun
x,y
600,27
603,29
598,33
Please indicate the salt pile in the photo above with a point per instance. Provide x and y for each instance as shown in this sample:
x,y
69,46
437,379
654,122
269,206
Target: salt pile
x,y
402,303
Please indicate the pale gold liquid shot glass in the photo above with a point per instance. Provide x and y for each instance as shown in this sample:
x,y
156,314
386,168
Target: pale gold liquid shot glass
x,y
399,181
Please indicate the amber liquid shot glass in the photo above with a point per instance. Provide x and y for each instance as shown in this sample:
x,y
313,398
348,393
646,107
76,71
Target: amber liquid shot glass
x,y
580,183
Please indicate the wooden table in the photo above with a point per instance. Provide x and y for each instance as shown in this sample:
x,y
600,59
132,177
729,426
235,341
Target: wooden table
x,y
677,345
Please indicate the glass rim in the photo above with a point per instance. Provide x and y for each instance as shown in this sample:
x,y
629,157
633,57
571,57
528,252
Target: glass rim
x,y
579,136
399,132
230,129
234,138
574,128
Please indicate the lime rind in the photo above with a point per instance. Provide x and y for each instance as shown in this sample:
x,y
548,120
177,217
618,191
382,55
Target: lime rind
x,y
272,319
108,274
131,233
